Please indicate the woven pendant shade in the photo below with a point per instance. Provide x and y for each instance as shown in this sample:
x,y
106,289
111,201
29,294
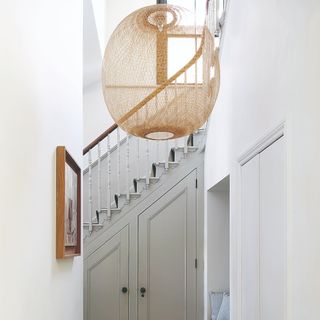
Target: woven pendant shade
x,y
141,96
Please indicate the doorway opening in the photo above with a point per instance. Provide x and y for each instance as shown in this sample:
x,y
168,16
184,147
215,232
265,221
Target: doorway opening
x,y
218,249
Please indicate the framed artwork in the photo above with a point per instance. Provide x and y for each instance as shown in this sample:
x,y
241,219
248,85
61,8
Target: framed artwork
x,y
68,205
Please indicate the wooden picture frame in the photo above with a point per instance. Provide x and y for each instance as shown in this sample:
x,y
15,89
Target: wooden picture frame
x,y
68,205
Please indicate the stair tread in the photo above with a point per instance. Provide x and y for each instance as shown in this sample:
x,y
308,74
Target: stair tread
x,y
150,178
111,209
131,194
190,148
141,184
170,163
94,224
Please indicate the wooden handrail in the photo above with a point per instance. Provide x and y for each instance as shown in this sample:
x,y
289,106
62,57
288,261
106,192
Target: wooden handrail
x,y
100,138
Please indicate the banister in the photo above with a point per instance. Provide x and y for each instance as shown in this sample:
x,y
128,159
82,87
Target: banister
x,y
100,138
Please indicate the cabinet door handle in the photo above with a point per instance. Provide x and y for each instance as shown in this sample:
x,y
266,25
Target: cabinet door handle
x,y
124,290
142,291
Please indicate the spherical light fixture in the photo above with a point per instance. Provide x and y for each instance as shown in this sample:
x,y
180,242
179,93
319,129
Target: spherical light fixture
x,y
143,96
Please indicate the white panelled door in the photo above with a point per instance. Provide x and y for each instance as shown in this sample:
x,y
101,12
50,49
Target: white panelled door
x,y
263,236
250,240
272,232
167,253
106,280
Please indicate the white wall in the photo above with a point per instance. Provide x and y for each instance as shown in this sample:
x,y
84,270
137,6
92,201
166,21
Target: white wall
x,y
41,107
96,117
270,71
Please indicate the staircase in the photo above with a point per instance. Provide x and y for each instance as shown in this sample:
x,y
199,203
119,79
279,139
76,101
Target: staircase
x,y
123,170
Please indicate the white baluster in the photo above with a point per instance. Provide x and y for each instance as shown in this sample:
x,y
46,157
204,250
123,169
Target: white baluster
x,y
166,163
118,161
158,153
128,168
138,158
185,147
99,177
108,179
185,87
195,47
147,164
166,103
175,99
196,64
90,191
217,13
175,89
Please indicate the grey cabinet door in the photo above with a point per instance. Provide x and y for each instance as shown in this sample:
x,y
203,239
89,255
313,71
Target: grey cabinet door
x,y
106,277
167,253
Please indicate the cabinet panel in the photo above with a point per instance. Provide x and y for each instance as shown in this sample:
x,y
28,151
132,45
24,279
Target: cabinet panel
x,y
106,275
167,252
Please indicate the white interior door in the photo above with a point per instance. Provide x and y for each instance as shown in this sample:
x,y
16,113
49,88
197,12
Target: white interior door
x,y
250,252
272,232
167,253
263,235
106,280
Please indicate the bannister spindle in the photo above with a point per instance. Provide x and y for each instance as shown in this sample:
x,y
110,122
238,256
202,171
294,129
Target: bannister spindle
x,y
166,163
185,139
216,14
128,169
108,180
175,98
185,146
118,161
166,101
90,191
158,153
99,177
195,48
138,158
175,89
147,164
185,87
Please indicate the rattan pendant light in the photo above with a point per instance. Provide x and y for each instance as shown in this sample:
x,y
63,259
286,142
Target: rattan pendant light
x,y
141,97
